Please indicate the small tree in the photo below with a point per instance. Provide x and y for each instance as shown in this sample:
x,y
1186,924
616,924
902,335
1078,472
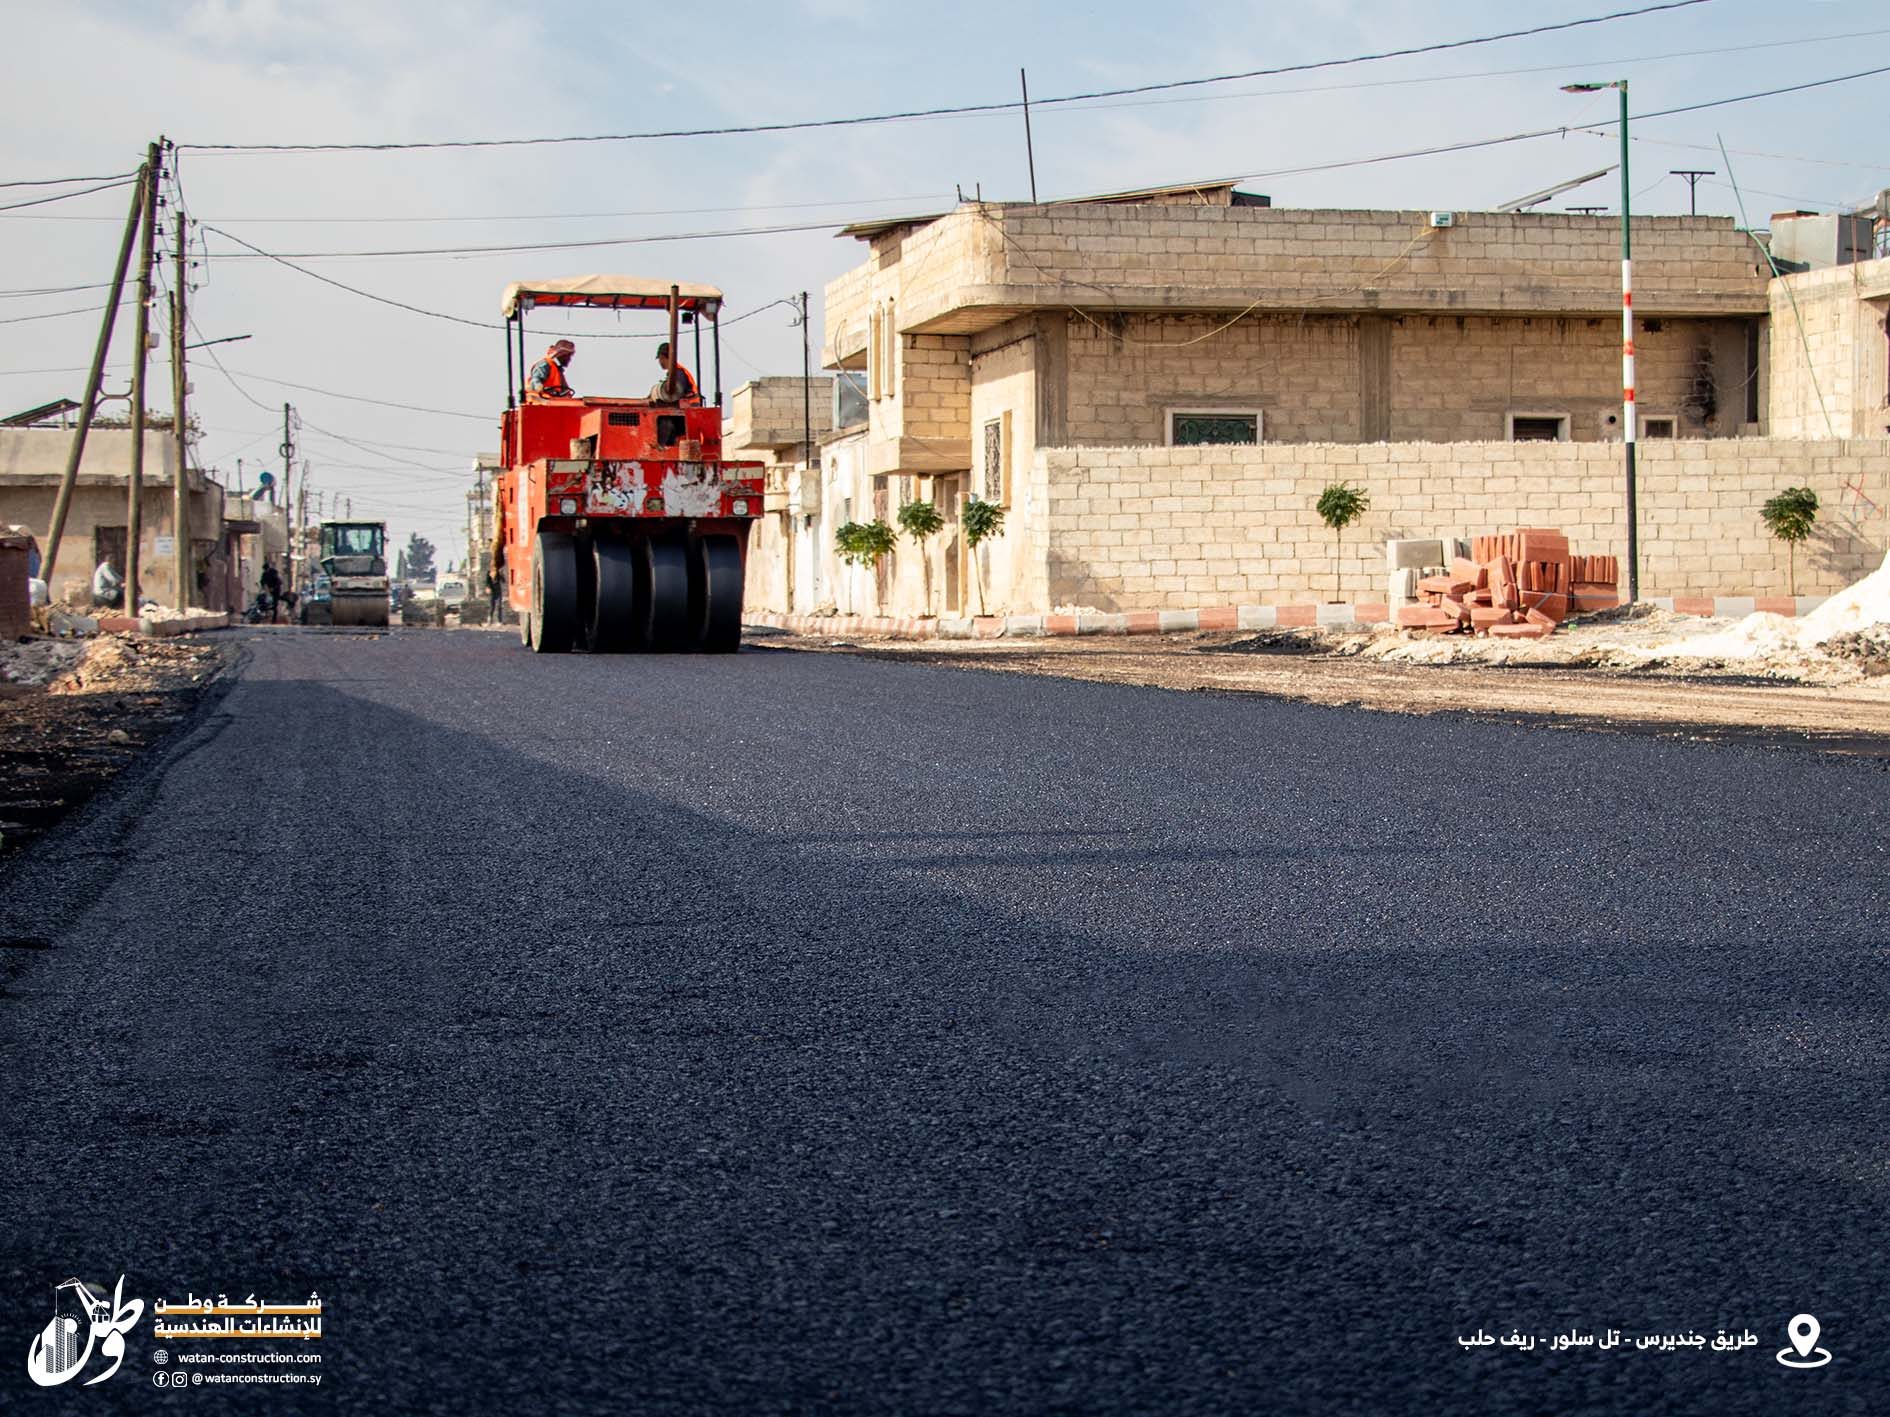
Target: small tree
x,y
1790,517
983,520
419,557
1339,505
921,521
863,543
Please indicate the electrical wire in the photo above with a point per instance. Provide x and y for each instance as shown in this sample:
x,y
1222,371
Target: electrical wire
x,y
1470,144
64,196
362,398
52,290
1596,64
63,181
945,112
1598,129
458,319
515,249
58,314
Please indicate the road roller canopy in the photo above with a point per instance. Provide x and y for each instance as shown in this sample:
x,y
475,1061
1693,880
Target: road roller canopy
x,y
611,293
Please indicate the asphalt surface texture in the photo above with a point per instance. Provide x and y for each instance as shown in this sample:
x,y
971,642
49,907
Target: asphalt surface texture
x,y
803,1033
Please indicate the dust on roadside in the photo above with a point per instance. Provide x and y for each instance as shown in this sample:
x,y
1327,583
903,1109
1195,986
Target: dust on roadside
x,y
1602,673
73,713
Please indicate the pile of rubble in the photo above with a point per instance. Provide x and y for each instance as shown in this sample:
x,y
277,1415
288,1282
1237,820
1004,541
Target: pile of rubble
x,y
1853,625
1515,586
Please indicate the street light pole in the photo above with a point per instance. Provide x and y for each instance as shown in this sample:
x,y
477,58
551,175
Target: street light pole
x,y
1628,417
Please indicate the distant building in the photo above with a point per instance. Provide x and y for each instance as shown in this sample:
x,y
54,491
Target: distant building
x,y
229,535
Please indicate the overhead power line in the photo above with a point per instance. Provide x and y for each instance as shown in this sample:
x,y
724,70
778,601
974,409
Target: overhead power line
x,y
1465,145
362,398
1472,143
63,181
64,196
947,112
461,319
58,314
514,249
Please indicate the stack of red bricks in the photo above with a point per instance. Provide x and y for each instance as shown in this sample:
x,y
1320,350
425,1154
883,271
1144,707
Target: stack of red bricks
x,y
1516,586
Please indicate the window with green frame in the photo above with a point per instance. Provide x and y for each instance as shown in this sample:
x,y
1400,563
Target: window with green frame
x,y
1194,428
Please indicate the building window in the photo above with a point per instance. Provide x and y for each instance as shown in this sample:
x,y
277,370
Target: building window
x,y
1658,425
1538,427
1194,427
995,486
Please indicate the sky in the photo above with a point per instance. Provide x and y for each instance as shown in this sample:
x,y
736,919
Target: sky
x,y
90,84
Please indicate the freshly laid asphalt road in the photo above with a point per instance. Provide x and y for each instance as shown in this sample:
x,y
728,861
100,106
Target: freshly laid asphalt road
x,y
794,1033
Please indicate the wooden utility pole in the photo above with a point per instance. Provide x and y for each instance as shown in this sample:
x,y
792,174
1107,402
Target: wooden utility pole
x,y
63,502
180,388
140,357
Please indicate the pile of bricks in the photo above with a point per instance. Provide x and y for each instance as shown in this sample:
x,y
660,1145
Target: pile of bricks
x,y
1515,586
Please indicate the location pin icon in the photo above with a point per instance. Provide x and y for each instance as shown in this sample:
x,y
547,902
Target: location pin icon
x,y
1803,1332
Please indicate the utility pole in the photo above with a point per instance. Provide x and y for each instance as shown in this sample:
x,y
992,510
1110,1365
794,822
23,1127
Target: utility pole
x,y
180,495
1693,176
62,503
301,519
807,445
288,503
1629,416
134,500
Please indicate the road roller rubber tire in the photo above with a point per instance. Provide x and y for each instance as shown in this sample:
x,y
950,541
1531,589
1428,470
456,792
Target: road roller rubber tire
x,y
670,629
554,593
586,569
719,610
620,604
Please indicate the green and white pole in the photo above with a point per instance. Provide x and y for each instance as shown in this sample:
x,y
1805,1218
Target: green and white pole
x,y
1630,422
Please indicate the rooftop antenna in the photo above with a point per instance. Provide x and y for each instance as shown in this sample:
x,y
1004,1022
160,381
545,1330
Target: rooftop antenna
x,y
1029,151
1693,176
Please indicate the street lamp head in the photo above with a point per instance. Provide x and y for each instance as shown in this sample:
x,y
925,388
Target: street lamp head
x,y
1593,88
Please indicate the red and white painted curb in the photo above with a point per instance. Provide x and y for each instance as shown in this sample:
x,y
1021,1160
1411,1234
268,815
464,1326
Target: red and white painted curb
x,y
1338,615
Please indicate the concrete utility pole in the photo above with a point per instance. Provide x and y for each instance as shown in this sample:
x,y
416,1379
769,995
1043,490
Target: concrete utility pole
x,y
94,378
288,502
134,499
807,433
180,493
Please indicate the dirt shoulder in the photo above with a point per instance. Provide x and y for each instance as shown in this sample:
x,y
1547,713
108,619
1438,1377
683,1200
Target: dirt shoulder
x,y
1559,685
74,713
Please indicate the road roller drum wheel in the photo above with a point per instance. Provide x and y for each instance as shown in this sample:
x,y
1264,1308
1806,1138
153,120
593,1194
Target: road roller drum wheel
x,y
554,619
669,596
619,618
718,598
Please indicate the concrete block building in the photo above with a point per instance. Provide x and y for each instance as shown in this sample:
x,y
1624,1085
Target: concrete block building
x,y
229,535
1156,385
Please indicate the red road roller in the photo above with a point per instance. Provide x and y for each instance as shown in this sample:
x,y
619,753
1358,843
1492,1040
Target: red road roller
x,y
619,527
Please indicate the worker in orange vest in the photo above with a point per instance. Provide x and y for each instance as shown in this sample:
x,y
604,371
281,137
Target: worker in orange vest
x,y
548,373
677,385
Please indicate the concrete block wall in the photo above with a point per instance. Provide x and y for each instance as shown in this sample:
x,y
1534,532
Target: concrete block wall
x,y
934,386
771,413
1831,352
1152,528
1449,378
1126,372
1295,259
